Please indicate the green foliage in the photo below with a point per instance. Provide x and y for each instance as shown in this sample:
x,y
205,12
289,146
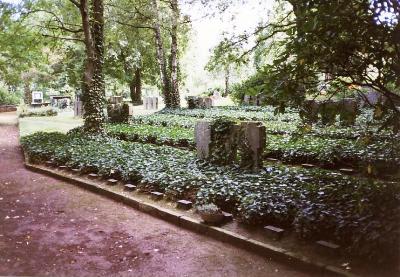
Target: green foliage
x,y
8,98
38,112
118,113
321,47
173,136
362,215
223,148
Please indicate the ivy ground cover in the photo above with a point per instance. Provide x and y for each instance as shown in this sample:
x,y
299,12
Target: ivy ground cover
x,y
373,155
360,214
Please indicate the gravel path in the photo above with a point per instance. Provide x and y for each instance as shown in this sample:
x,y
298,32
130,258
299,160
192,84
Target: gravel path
x,y
52,228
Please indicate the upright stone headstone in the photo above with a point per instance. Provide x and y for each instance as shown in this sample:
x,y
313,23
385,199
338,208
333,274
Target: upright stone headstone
x,y
217,95
78,108
328,110
207,102
248,137
154,101
254,139
202,133
130,110
147,103
246,100
116,99
309,111
348,111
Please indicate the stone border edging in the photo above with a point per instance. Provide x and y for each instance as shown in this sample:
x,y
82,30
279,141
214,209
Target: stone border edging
x,y
263,249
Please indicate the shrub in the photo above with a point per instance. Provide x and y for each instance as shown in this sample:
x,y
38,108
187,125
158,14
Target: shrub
x,y
8,98
38,112
361,214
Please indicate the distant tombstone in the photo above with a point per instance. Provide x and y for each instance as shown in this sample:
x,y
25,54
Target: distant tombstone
x,y
254,139
37,97
372,97
202,133
309,111
217,95
116,99
207,102
78,108
147,103
246,100
328,110
248,137
154,101
130,110
348,111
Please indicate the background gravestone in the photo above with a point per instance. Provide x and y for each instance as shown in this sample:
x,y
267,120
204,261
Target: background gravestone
x,y
154,101
348,111
253,140
207,102
78,108
249,138
309,111
328,110
116,99
202,134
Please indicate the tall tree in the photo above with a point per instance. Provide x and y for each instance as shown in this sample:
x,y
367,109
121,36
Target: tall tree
x,y
355,42
92,15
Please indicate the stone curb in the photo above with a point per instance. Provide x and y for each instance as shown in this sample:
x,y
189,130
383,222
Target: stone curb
x,y
195,225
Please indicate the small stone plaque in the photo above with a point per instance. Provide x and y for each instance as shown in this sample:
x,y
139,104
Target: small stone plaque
x,y
272,160
129,187
112,182
155,195
227,217
347,170
308,165
76,170
62,167
93,176
49,163
328,248
184,205
275,232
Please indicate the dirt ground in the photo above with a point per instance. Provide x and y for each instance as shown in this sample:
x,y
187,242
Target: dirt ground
x,y
52,228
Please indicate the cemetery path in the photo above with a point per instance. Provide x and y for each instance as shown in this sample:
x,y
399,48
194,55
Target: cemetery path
x,y
52,228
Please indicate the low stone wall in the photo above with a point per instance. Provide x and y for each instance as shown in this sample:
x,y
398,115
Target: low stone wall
x,y
8,108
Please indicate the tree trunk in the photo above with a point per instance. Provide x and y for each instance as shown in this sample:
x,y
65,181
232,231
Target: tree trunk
x,y
28,93
161,57
175,98
135,88
93,95
227,77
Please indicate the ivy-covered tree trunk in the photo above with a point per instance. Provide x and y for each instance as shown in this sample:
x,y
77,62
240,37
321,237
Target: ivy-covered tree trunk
x,y
135,87
93,80
227,77
175,98
160,52
28,93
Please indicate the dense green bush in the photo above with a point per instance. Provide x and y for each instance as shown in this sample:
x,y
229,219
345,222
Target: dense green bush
x,y
360,214
7,98
380,155
173,136
38,112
